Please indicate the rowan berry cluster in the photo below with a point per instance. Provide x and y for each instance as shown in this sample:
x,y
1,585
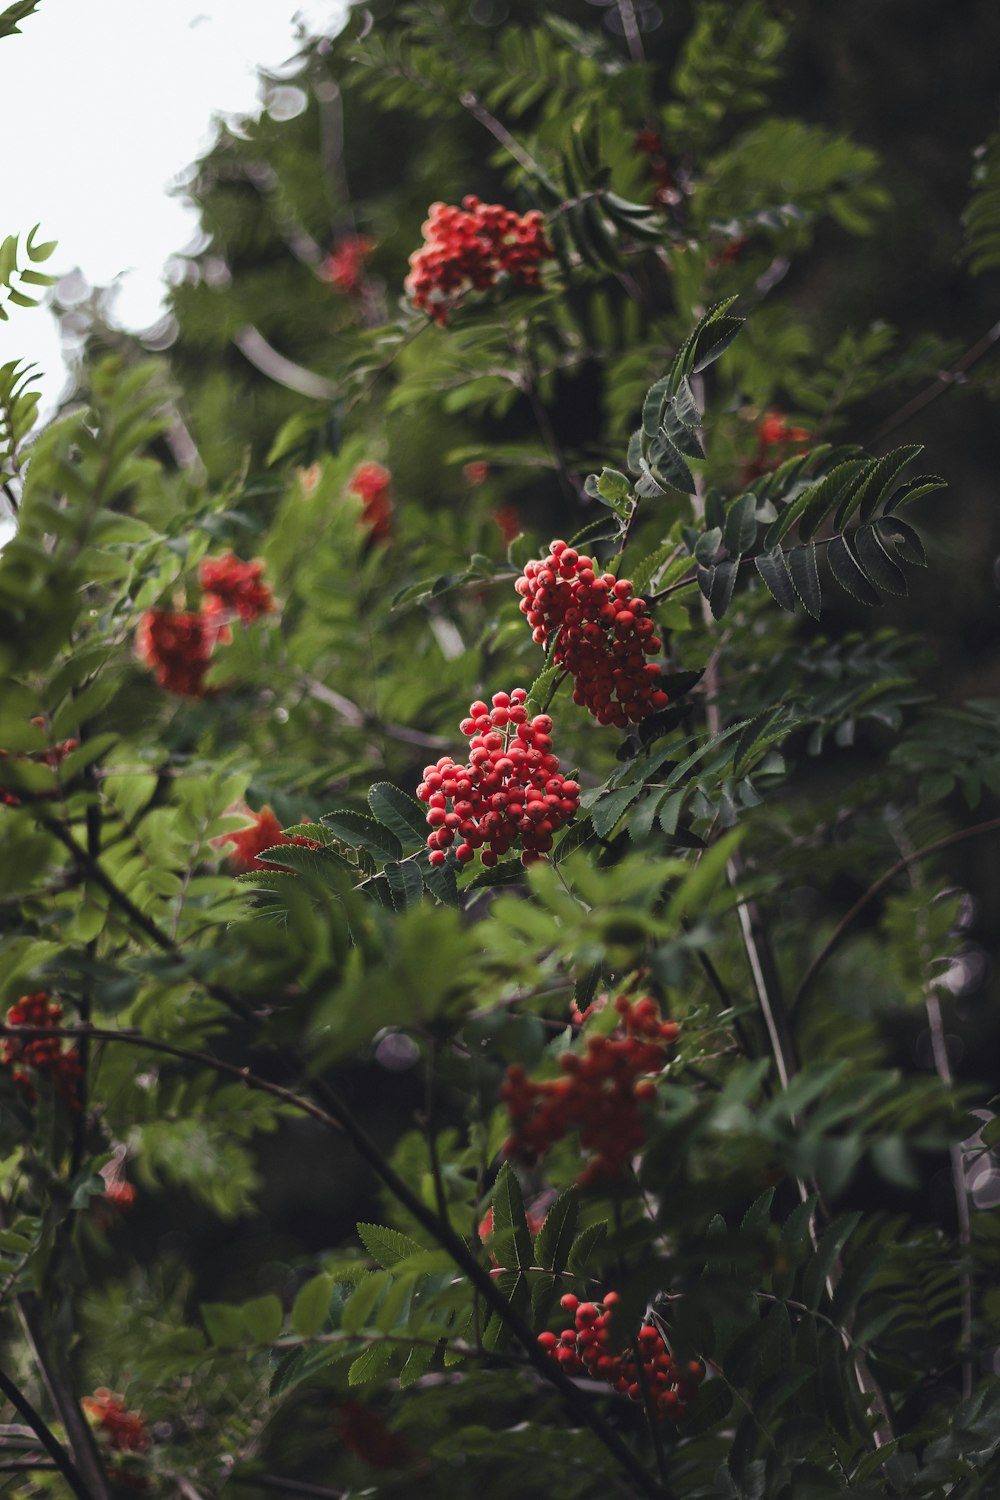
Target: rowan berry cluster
x,y
646,1372
774,440
53,757
602,632
177,644
344,267
265,832
373,484
469,248
125,1430
510,792
236,587
650,143
600,1094
43,1054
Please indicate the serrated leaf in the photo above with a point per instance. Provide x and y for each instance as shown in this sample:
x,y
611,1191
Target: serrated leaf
x,y
402,814
224,1324
884,473
418,1362
904,538
613,485
822,1262
262,1318
845,569
803,567
369,1365
587,1242
387,1246
508,1215
605,813
405,882
554,1241
740,530
878,566
720,594
774,571
359,831
312,1304
667,464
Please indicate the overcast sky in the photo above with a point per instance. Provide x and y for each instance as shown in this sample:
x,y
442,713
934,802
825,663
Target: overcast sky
x,y
106,102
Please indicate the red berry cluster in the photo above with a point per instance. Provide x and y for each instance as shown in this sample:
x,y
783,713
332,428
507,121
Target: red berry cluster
x,y
650,143
600,1094
344,267
373,483
510,792
265,832
469,248
177,644
602,634
41,1054
584,1349
125,1430
774,438
234,586
53,756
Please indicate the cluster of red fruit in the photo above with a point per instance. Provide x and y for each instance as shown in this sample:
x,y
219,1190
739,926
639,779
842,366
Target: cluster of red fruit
x,y
600,1094
53,756
345,265
774,438
125,1430
584,1349
650,143
373,484
469,249
41,1054
602,634
265,832
510,792
178,644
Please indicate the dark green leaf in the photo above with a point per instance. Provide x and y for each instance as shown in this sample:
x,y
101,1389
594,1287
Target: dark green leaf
x,y
387,1246
805,576
508,1214
741,524
845,569
876,562
554,1242
774,571
399,812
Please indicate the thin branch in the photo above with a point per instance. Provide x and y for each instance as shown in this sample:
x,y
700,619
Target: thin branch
x,y
254,347
47,1438
875,890
288,1486
630,29
499,132
944,382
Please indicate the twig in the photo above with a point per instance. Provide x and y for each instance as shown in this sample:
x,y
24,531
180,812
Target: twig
x,y
499,132
48,1440
254,347
631,32
944,382
833,942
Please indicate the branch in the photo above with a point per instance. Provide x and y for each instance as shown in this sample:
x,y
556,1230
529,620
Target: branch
x,y
254,347
47,1438
944,382
875,890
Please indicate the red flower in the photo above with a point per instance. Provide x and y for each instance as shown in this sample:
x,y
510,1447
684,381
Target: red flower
x,y
234,585
344,266
469,248
265,832
177,646
374,485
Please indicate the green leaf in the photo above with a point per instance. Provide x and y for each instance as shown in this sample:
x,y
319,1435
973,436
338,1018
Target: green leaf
x,y
774,571
613,485
369,1365
387,1246
876,562
554,1241
361,832
740,530
402,814
224,1324
805,576
263,1318
418,1362
509,1218
605,813
827,1252
405,882
585,1246
312,1305
845,569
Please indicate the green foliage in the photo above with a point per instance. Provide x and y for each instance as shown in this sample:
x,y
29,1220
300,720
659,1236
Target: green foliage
x,y
306,1057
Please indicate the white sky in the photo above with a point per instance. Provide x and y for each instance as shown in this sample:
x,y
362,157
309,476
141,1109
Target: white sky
x,y
105,104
